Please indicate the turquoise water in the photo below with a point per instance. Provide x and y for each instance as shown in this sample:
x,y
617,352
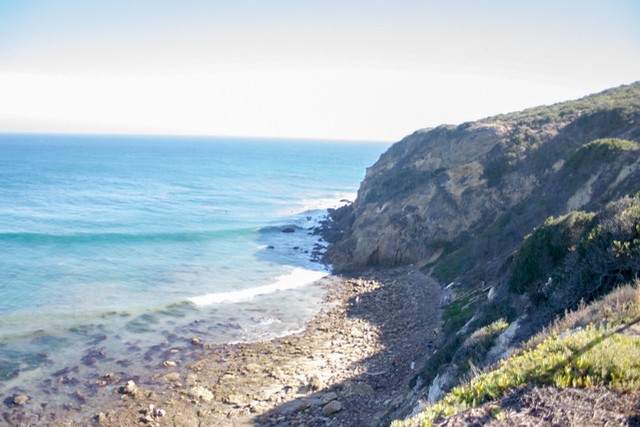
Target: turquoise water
x,y
133,238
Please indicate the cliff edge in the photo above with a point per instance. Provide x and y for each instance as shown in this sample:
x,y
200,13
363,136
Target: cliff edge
x,y
530,222
439,189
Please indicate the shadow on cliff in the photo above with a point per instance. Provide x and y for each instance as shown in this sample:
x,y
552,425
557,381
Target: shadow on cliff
x,y
404,310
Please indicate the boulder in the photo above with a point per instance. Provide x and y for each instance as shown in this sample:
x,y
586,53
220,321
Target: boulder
x,y
328,397
201,393
315,382
20,399
331,408
358,388
130,388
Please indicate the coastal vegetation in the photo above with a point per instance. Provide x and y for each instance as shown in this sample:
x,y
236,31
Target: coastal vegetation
x,y
595,356
569,261
531,220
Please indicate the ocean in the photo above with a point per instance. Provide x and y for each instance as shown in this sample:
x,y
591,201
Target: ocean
x,y
114,245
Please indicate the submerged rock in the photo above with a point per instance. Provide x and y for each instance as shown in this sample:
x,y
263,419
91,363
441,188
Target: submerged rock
x,y
172,377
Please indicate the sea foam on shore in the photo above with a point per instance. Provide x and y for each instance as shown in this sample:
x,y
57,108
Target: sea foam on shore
x,y
297,278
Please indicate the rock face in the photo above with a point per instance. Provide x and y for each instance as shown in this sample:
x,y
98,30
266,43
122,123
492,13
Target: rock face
x,y
438,187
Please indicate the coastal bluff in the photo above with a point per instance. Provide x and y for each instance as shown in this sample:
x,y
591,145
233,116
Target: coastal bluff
x,y
530,224
440,189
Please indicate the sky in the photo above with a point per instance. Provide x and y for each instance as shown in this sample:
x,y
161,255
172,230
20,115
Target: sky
x,y
331,69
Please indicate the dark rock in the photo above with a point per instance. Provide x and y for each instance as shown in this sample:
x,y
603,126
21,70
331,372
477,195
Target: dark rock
x,y
100,417
92,356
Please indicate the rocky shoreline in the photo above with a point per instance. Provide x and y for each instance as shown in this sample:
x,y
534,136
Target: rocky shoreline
x,y
351,366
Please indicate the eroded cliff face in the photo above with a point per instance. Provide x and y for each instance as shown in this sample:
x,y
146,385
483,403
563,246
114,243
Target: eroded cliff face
x,y
439,188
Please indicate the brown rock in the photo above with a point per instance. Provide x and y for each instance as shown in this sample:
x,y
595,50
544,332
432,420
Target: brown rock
x,y
172,377
201,393
328,397
20,399
315,382
331,408
130,388
358,388
186,419
236,399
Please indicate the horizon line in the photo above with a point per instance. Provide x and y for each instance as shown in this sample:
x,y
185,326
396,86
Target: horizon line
x,y
198,136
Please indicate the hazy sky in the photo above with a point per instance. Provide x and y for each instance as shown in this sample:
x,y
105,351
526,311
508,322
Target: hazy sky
x,y
373,70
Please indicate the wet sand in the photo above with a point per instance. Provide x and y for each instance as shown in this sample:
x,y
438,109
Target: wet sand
x,y
354,364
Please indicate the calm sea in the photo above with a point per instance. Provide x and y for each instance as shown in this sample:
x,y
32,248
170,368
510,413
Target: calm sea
x,y
120,243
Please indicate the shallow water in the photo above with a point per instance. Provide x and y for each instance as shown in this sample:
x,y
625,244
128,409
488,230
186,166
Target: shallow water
x,y
116,250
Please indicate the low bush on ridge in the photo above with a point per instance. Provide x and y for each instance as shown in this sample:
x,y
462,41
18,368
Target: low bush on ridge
x,y
584,254
589,258
593,356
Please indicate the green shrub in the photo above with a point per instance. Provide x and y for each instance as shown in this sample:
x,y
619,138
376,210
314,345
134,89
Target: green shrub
x,y
476,347
449,267
458,313
495,170
595,153
590,357
609,255
545,249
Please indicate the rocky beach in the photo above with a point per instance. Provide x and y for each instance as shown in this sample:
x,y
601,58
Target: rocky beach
x,y
354,364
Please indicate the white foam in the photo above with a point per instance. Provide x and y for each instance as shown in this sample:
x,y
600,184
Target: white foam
x,y
327,203
269,321
297,278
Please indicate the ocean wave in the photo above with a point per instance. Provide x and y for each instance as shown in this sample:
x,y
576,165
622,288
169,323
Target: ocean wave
x,y
297,278
327,202
314,204
114,238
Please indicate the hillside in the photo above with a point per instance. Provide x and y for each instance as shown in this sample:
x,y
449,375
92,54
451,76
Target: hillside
x,y
437,188
522,218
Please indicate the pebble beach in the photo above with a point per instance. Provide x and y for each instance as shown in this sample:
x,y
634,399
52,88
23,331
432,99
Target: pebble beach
x,y
354,364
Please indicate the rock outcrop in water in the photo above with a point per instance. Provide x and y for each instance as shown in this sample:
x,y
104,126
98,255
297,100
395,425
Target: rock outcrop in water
x,y
442,189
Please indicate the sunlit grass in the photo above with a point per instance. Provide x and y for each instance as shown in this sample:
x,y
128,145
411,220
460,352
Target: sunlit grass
x,y
594,356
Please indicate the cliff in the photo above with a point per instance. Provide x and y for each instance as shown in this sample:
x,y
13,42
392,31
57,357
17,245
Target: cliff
x,y
530,221
459,199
